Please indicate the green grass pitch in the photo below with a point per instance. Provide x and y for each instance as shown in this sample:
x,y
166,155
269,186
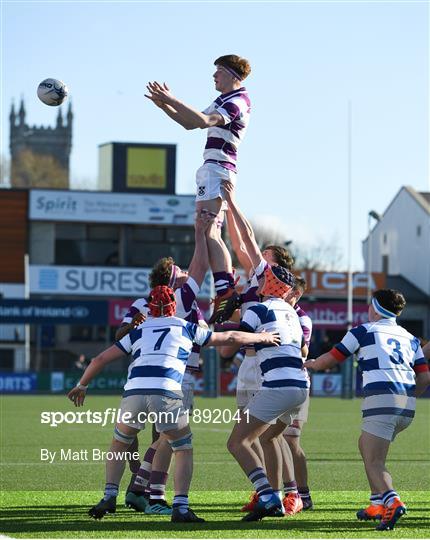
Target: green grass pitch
x,y
42,500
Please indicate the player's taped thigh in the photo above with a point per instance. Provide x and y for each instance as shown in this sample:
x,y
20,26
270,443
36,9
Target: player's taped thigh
x,y
122,437
217,217
293,430
219,220
183,443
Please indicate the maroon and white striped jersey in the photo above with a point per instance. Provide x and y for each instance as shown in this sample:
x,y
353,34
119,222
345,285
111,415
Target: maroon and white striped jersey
x,y
223,141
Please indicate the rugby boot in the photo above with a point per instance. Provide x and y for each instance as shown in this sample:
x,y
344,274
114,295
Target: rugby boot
x,y
159,507
224,306
272,507
253,500
137,501
371,512
105,506
188,517
307,503
292,503
391,515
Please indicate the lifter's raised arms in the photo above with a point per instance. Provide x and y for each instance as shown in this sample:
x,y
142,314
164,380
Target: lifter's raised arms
x,y
257,266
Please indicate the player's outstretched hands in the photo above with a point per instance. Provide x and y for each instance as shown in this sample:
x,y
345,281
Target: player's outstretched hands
x,y
159,93
269,338
77,395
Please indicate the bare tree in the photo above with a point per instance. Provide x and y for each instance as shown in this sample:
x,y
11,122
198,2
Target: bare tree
x,y
267,232
37,170
322,255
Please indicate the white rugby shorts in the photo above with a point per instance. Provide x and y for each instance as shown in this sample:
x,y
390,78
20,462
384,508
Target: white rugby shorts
x,y
271,404
209,179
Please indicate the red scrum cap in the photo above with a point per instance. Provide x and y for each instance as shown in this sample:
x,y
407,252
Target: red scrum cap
x,y
162,302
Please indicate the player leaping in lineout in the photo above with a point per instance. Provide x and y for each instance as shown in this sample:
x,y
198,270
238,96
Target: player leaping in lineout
x,y
226,120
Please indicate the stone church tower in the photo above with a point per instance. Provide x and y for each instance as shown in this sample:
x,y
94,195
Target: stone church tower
x,y
40,155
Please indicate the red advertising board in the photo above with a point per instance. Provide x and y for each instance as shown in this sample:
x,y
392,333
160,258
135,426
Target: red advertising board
x,y
334,314
118,309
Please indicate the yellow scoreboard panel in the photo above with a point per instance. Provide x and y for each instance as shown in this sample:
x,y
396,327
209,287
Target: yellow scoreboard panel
x,y
146,168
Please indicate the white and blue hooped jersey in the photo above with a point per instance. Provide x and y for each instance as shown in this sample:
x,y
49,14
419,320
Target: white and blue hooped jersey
x,y
280,366
186,308
160,347
388,356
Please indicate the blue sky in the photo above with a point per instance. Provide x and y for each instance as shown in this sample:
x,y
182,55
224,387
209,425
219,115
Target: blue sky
x,y
308,59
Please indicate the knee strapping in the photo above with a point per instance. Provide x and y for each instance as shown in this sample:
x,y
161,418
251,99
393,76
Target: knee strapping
x,y
123,437
184,443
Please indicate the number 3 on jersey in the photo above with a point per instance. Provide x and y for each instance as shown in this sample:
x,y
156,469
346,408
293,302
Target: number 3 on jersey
x,y
159,342
397,356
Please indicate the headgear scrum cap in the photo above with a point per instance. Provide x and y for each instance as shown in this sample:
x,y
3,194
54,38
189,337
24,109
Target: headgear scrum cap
x,y
162,302
277,281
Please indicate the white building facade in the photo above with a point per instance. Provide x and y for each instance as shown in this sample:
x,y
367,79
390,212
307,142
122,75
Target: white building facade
x,y
399,245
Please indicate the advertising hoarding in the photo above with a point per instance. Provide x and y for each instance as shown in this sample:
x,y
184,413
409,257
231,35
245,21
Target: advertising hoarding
x,y
119,307
334,314
18,383
53,312
326,384
99,207
335,284
96,281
